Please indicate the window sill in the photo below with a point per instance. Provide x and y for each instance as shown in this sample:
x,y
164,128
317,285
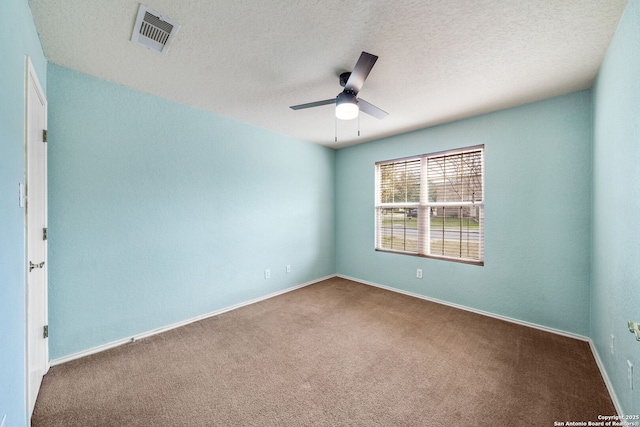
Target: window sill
x,y
462,261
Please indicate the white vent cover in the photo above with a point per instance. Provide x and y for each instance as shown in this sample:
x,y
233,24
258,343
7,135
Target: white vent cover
x,y
153,30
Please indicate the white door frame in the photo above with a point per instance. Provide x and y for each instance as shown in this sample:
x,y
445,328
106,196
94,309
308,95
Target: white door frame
x,y
36,298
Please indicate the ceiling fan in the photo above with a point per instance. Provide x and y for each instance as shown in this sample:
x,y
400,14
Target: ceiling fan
x,y
348,105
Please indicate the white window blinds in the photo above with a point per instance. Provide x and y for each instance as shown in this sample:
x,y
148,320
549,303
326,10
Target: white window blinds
x,y
432,205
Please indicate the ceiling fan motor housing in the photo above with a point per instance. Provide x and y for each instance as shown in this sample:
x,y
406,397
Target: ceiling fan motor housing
x,y
344,77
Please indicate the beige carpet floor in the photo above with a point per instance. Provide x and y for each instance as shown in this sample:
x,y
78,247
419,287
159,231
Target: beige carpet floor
x,y
336,353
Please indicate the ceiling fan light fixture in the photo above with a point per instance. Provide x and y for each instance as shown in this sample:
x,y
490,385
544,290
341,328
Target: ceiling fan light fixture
x,y
347,106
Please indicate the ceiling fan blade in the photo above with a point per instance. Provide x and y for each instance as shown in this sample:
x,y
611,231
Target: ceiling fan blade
x,y
371,109
360,72
313,104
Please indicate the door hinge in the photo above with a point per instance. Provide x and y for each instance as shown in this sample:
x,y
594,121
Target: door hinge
x,y
44,233
45,333
44,135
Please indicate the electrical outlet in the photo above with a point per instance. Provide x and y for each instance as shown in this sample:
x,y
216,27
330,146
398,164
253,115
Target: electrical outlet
x,y
419,273
267,274
613,339
630,374
288,268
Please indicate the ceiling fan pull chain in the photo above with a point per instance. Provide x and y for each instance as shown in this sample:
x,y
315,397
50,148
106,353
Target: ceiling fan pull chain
x,y
358,124
336,128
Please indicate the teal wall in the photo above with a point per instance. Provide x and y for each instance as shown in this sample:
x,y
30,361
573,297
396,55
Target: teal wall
x,y
537,213
18,37
615,272
160,212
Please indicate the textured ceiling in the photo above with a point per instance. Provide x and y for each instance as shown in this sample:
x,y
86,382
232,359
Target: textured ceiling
x,y
439,60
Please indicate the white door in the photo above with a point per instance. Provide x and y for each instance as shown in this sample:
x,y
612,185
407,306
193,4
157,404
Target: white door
x,y
36,222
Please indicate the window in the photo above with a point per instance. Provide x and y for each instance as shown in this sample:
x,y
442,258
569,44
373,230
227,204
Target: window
x,y
432,205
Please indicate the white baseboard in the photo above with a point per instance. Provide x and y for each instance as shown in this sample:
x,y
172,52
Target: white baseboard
x,y
136,337
606,379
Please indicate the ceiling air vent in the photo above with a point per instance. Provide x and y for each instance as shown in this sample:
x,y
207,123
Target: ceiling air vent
x,y
153,31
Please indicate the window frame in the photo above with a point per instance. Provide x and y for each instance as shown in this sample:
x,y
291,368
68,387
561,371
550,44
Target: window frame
x,y
424,207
